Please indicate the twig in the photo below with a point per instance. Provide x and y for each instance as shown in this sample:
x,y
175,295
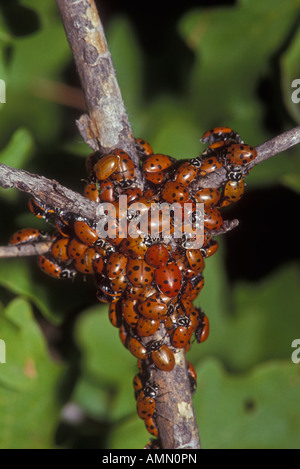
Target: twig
x,y
266,150
21,250
106,125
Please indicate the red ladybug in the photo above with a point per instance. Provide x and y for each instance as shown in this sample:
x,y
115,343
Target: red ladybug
x,y
209,165
181,331
125,172
75,248
116,265
151,426
186,173
195,260
220,133
168,278
91,192
39,210
161,355
51,268
106,166
144,146
212,219
174,192
202,330
85,233
146,402
146,327
137,348
153,308
155,178
240,154
233,191
139,273
115,313
129,312
208,196
27,235
59,249
84,263
157,162
157,255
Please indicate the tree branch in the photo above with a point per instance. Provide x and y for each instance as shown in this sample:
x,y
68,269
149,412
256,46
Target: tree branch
x,y
266,150
22,250
106,125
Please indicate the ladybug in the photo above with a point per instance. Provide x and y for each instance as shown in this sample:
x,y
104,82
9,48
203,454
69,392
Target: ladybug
x,y
133,247
103,247
146,402
152,308
116,264
233,191
59,249
98,265
192,376
202,330
133,194
181,331
138,383
139,273
209,165
157,255
217,149
106,166
39,210
75,248
125,168
119,284
168,278
27,235
197,284
155,178
208,196
106,191
64,224
129,312
115,313
146,327
123,335
212,219
157,162
137,348
220,133
91,192
151,426
144,146
240,154
84,263
186,173
161,355
85,233
195,259
210,248
53,269
175,192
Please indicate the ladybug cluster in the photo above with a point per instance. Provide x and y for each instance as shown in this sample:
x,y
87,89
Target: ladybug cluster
x,y
149,280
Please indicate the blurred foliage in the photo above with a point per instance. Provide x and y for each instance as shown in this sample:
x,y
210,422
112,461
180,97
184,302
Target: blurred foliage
x,y
231,64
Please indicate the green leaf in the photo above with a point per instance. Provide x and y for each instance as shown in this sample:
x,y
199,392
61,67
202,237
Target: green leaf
x,y
290,68
28,382
17,153
254,410
106,361
233,47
